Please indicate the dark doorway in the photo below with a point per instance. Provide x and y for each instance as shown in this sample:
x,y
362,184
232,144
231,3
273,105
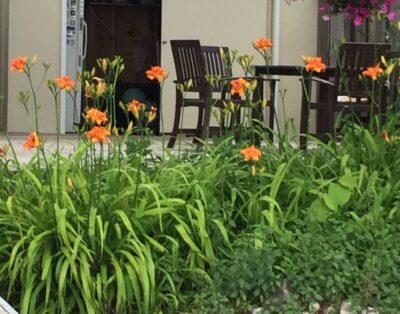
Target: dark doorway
x,y
132,30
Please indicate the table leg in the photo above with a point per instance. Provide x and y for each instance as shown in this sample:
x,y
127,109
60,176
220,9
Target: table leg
x,y
322,116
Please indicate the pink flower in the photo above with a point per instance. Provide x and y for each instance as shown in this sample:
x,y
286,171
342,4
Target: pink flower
x,y
357,20
391,16
359,10
326,18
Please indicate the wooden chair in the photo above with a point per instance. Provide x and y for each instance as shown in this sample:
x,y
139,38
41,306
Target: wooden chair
x,y
345,93
217,66
193,61
189,64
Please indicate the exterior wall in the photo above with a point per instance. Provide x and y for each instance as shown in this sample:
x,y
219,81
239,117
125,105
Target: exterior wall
x,y
233,23
298,23
212,21
34,27
4,6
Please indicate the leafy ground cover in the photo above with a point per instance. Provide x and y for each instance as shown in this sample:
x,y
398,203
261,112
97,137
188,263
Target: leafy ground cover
x,y
225,227
201,233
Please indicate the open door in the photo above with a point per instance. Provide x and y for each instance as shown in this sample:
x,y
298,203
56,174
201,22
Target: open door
x,y
106,28
130,29
234,23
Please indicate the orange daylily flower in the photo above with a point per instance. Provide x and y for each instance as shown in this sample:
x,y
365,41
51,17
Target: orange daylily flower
x,y
373,72
135,106
152,114
65,82
98,134
251,153
314,64
262,43
239,86
156,73
32,141
18,64
96,116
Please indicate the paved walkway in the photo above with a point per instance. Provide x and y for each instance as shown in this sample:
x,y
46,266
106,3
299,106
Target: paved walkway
x,y
68,143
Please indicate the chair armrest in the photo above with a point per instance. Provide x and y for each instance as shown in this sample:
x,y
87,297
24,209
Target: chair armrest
x,y
317,80
197,78
230,78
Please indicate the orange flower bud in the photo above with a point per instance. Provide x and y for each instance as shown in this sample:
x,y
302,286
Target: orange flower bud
x,y
152,114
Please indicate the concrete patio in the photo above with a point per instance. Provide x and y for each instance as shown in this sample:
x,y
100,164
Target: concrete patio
x,y
68,143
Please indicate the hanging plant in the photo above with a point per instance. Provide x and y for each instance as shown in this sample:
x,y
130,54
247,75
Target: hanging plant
x,y
359,10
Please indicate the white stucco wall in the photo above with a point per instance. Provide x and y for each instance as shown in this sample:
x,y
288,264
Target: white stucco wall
x,y
3,61
34,27
298,38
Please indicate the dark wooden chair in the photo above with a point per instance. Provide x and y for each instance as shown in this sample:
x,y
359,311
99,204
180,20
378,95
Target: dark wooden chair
x,y
189,65
346,92
195,62
220,68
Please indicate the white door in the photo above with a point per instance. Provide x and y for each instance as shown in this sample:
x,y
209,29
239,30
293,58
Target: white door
x,y
232,23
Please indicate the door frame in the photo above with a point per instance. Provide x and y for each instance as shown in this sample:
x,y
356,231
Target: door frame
x,y
63,113
4,27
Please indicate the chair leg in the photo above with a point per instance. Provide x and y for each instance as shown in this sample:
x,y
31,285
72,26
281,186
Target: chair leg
x,y
200,119
383,103
207,114
177,120
272,113
331,120
198,131
304,117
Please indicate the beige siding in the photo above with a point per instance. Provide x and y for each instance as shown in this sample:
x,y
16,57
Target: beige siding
x,y
298,38
34,27
3,60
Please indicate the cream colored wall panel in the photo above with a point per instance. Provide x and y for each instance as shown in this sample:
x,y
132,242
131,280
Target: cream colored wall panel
x,y
34,27
298,38
4,6
232,23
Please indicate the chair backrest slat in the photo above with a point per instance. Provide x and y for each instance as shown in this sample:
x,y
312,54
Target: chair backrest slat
x,y
189,62
215,64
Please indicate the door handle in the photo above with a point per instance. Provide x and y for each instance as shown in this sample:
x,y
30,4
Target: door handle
x,y
85,40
